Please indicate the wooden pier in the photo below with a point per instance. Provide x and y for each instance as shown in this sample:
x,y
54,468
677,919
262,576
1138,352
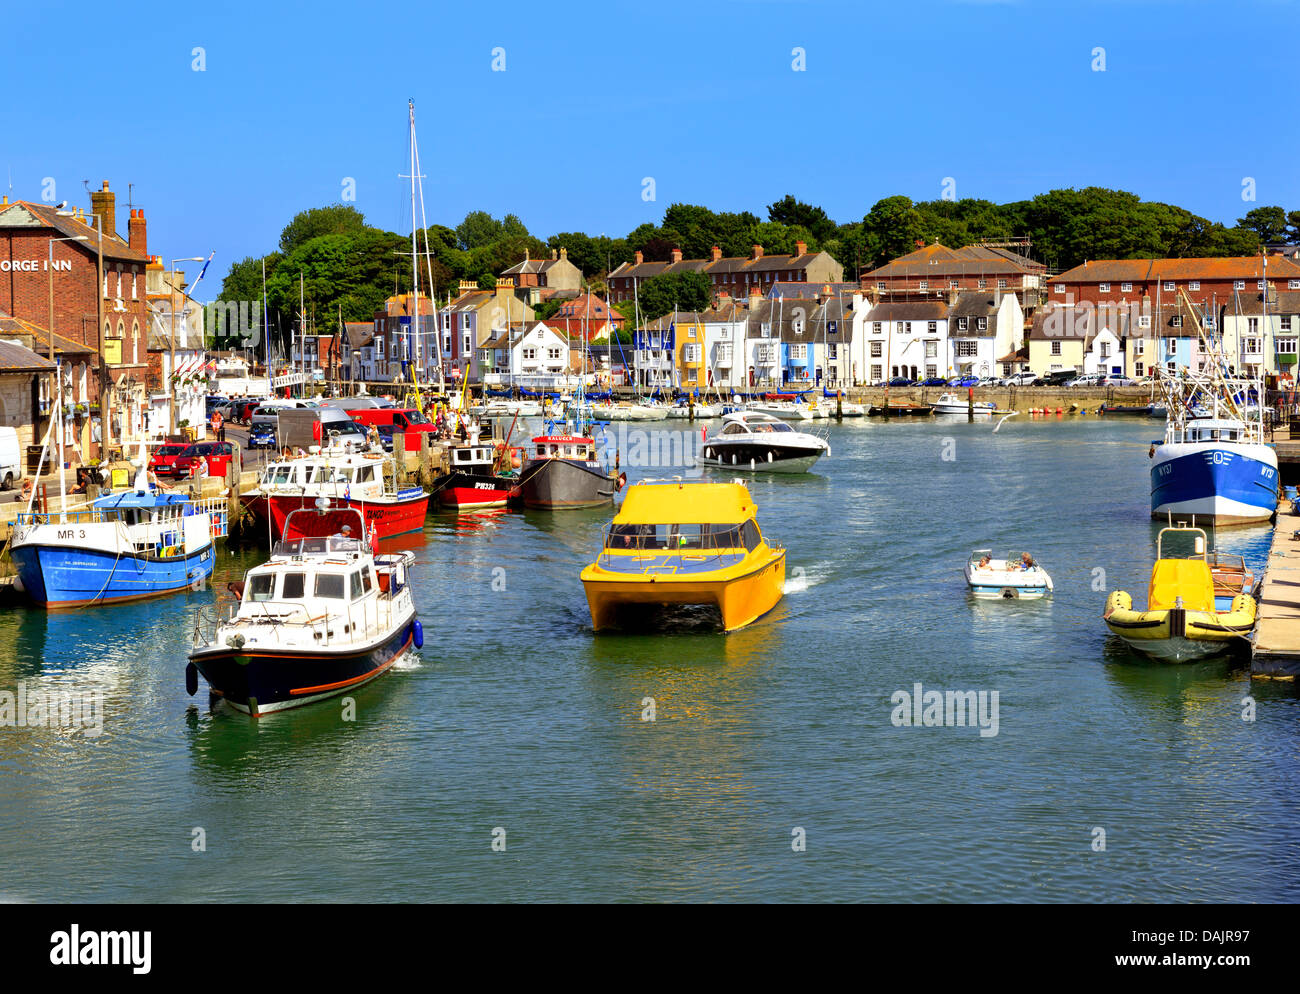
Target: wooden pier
x,y
1276,653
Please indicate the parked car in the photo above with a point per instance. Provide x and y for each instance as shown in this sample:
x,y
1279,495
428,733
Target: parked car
x,y
1059,377
901,381
10,458
934,381
964,381
989,381
163,460
239,411
215,402
217,454
1117,381
1086,380
386,436
1024,379
262,436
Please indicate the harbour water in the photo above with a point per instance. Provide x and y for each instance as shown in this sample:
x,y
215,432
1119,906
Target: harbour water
x,y
518,718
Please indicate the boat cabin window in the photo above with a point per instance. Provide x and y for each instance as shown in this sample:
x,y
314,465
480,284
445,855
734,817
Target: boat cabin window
x,y
259,587
329,585
357,590
281,472
366,474
293,587
674,537
365,580
751,535
735,428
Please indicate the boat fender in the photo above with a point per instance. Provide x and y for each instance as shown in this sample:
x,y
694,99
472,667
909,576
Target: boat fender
x,y
417,634
622,480
191,679
1151,452
769,455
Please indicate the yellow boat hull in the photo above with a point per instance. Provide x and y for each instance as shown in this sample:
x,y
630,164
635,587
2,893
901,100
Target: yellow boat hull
x,y
1177,634
742,594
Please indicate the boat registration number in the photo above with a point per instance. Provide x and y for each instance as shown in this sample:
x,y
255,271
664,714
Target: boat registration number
x,y
72,533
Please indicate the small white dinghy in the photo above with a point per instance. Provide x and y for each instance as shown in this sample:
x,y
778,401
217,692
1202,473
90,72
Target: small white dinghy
x,y
1009,578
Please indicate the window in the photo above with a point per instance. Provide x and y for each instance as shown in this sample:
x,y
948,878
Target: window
x,y
1239,284
1060,288
1139,346
1293,284
1284,345
981,324
1103,288
1193,284
898,327
932,350
1002,284
294,586
259,587
1126,287
357,590
1286,322
1171,345
1138,369
379,348
832,328
983,284
1056,348
952,284
967,349
1177,321
961,323
1259,284
932,327
797,325
1252,346
877,373
1169,286
923,285
329,585
880,285
1252,325
877,350
765,329
1105,350
529,353
365,580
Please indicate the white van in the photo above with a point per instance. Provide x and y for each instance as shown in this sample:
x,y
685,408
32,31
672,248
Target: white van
x,y
10,458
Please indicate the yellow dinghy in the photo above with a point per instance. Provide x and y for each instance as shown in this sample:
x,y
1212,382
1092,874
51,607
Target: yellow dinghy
x,y
685,543
1182,621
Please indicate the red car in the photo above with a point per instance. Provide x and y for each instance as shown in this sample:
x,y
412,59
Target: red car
x,y
163,460
217,454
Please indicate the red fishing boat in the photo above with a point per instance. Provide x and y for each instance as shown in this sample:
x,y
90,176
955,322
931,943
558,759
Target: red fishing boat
x,y
476,479
354,480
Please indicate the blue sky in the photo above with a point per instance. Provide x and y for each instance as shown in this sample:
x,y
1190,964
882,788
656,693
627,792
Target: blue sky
x,y
999,95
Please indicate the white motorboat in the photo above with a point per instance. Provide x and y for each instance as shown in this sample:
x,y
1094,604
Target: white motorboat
x,y
323,616
955,403
624,411
1011,578
786,410
759,442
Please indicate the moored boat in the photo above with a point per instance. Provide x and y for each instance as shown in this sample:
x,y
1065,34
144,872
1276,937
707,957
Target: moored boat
x,y
1198,606
677,543
356,479
474,480
953,403
124,547
565,473
323,616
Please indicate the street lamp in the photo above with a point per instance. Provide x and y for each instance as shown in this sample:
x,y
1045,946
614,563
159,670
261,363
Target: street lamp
x,y
171,361
58,373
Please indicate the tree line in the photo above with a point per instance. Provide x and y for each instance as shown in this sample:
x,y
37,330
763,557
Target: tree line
x,y
348,268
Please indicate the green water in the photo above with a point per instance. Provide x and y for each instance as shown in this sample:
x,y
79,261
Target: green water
x,y
517,717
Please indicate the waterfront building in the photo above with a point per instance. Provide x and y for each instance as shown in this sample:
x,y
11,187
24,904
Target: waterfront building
x,y
737,276
936,270
177,355
526,354
587,315
902,337
1209,283
536,280
25,378
1260,335
105,316
472,319
982,328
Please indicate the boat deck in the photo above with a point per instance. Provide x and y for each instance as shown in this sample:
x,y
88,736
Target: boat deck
x,y
1277,629
672,563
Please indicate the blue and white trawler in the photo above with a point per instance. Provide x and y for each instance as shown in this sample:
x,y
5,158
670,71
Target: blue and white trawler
x,y
124,546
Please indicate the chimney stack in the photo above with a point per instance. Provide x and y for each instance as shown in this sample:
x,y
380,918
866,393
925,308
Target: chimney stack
x,y
800,248
564,253
717,253
677,255
639,257
136,231
757,253
101,203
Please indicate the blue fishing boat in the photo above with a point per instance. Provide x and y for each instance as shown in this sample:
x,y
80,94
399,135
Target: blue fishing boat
x,y
126,546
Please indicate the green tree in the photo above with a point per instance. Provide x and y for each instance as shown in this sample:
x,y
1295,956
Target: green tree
x,y
687,291
789,211
1268,223
890,229
336,219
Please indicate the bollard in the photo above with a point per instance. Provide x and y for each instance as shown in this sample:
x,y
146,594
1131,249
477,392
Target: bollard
x,y
839,405
970,403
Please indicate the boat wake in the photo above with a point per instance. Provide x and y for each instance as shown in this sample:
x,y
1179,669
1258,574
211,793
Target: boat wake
x,y
798,579
409,661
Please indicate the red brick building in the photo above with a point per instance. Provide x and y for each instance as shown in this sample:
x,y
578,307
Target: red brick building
x,y
589,314
735,275
934,270
84,304
1206,281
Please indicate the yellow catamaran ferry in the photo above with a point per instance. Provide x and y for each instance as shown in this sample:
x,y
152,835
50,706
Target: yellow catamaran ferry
x,y
674,542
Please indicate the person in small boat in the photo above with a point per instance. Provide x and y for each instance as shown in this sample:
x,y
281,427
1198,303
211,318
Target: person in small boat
x,y
984,563
1026,561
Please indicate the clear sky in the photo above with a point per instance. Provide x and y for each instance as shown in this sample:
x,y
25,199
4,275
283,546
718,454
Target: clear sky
x,y
1001,96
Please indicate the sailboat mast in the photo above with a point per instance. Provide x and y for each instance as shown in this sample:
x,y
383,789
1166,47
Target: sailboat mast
x,y
415,264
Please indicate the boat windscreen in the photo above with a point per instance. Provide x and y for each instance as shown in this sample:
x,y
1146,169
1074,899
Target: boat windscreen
x,y
674,537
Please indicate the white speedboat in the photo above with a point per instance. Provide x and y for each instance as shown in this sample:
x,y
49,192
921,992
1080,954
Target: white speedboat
x,y
624,411
847,409
1011,578
786,410
760,442
955,403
